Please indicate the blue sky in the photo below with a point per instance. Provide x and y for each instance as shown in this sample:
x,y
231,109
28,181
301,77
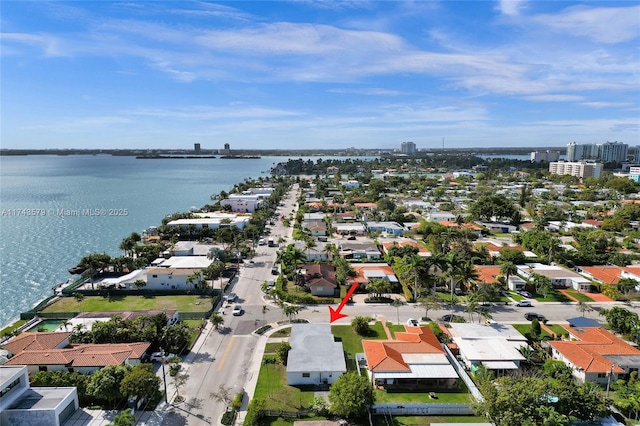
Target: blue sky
x,y
315,73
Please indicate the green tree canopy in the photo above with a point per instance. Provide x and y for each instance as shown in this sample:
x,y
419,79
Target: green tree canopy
x,y
351,395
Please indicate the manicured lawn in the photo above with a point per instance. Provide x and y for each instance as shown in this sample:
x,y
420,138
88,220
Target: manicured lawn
x,y
182,303
426,420
273,421
460,396
271,348
283,332
273,389
581,297
552,296
524,329
516,296
12,327
558,329
194,325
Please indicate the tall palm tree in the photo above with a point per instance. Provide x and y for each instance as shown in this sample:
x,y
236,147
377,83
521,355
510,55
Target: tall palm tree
x,y
508,269
309,243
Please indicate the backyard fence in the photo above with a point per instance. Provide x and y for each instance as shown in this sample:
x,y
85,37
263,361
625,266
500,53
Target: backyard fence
x,y
423,410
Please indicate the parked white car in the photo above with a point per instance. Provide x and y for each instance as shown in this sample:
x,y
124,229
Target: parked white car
x,y
157,357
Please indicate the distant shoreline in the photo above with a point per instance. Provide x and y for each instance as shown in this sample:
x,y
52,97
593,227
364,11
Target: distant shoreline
x,y
256,153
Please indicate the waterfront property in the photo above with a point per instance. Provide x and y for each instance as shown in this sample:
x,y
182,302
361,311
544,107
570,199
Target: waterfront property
x,y
212,220
21,404
83,358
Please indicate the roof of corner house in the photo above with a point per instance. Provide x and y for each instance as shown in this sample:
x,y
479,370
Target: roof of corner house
x,y
591,350
35,341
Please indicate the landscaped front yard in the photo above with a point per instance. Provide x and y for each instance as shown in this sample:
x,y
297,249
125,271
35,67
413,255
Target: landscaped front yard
x,y
181,303
352,343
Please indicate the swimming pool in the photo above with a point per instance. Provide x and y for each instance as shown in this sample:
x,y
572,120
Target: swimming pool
x,y
46,325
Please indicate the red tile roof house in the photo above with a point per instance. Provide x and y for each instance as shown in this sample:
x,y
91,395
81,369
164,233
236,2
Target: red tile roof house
x,y
414,360
321,279
369,271
596,355
47,353
422,250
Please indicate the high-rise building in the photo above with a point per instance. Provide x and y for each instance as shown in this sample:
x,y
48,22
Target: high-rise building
x,y
580,169
545,156
613,152
408,148
196,148
606,152
227,149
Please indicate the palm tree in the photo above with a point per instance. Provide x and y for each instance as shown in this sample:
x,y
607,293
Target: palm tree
x,y
377,286
468,273
486,314
396,304
507,269
309,243
291,311
217,320
583,307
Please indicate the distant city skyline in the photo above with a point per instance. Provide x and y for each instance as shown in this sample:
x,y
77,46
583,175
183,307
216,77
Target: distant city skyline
x,y
299,75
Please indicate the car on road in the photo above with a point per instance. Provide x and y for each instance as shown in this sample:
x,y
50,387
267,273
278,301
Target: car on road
x,y
157,357
524,304
237,310
451,318
530,316
274,270
231,297
413,322
262,242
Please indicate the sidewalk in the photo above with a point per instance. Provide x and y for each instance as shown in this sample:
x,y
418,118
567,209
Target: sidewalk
x,y
254,369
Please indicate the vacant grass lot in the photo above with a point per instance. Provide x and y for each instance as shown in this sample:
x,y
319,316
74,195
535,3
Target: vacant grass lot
x,y
272,387
182,303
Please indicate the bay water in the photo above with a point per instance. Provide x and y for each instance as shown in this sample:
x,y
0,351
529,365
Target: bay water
x,y
56,209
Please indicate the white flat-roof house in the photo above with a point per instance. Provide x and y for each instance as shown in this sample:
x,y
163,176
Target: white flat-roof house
x,y
169,278
493,345
22,405
315,357
213,220
248,203
560,277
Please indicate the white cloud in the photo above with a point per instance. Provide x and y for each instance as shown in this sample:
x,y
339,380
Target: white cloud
x,y
604,25
511,7
554,98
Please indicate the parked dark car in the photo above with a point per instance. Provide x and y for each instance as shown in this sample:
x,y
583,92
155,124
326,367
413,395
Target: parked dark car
x,y
451,318
530,316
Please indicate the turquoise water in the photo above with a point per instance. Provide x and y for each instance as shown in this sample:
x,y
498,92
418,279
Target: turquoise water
x,y
47,325
37,250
